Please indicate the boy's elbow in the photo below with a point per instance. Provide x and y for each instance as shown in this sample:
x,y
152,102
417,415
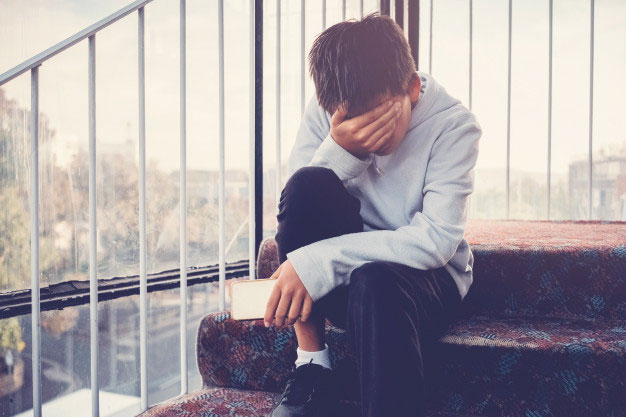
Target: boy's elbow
x,y
447,249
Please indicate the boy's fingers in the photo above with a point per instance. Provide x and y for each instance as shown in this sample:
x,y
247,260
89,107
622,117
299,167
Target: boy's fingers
x,y
277,272
374,140
306,309
383,141
338,116
379,126
270,310
281,311
368,117
294,311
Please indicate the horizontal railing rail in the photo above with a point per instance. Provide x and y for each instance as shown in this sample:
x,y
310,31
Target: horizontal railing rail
x,y
40,58
76,292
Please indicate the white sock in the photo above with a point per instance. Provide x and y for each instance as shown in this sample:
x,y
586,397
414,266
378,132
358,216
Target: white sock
x,y
320,357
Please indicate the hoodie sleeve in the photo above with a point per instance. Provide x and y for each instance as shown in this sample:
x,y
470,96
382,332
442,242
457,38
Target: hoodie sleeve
x,y
314,146
429,241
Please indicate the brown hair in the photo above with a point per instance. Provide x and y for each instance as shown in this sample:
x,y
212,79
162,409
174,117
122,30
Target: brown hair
x,y
357,62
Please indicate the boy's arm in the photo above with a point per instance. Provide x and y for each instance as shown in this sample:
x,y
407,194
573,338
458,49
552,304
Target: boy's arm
x,y
314,146
431,238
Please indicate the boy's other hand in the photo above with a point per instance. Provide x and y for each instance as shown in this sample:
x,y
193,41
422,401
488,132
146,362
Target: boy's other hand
x,y
288,298
366,133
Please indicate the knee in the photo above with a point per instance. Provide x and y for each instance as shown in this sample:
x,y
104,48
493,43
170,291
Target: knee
x,y
308,181
371,282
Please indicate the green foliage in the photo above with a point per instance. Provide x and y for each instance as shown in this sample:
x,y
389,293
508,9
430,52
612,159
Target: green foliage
x,y
11,335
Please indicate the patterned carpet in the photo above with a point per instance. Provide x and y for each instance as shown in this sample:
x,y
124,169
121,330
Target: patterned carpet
x,y
543,334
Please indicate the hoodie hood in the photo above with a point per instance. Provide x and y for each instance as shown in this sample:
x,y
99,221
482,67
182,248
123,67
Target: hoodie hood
x,y
433,100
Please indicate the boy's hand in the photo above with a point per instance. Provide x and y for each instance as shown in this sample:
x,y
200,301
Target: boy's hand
x,y
289,297
366,133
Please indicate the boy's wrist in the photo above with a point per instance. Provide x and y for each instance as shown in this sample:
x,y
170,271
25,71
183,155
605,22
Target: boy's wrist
x,y
331,154
361,156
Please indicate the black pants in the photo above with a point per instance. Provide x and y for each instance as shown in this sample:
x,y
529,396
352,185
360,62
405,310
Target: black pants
x,y
391,312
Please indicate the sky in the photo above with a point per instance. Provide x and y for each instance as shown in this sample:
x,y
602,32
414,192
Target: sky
x,y
28,27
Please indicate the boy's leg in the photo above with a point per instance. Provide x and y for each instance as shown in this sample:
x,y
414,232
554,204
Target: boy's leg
x,y
394,312
315,205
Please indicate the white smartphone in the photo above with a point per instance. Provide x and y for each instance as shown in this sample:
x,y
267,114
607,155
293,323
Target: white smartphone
x,y
248,298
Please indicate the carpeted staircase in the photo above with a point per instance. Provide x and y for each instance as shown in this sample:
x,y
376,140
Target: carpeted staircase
x,y
543,334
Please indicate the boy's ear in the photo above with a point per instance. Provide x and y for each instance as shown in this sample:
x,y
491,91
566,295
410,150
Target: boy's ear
x,y
415,85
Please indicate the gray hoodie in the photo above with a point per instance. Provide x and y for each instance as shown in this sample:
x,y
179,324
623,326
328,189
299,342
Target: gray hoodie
x,y
413,201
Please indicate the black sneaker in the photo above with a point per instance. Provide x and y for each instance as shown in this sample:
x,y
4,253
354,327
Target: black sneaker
x,y
309,392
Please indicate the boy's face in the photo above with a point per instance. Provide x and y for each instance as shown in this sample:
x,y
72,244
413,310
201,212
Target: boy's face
x,y
407,103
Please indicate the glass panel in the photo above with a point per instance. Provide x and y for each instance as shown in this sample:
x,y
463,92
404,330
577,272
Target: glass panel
x,y
609,148
14,183
202,134
489,104
163,345
117,150
65,360
162,137
16,392
64,169
66,352
529,111
570,125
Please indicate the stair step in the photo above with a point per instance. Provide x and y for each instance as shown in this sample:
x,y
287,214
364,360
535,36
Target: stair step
x,y
549,269
538,367
233,402
216,401
535,268
494,366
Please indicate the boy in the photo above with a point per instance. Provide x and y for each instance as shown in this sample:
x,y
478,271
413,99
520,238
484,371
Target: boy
x,y
371,220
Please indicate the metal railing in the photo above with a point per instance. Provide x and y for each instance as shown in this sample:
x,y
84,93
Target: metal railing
x,y
33,65
255,154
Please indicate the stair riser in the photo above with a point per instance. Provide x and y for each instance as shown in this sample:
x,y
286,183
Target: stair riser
x,y
559,283
510,382
555,281
576,366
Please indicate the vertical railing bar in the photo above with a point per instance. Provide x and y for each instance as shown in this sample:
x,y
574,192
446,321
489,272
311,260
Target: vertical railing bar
x,y
413,24
183,196
471,34
550,105
508,114
360,8
343,10
34,239
385,7
278,103
257,163
591,59
399,12
220,25
471,48
93,249
143,282
302,69
251,147
430,41
323,14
